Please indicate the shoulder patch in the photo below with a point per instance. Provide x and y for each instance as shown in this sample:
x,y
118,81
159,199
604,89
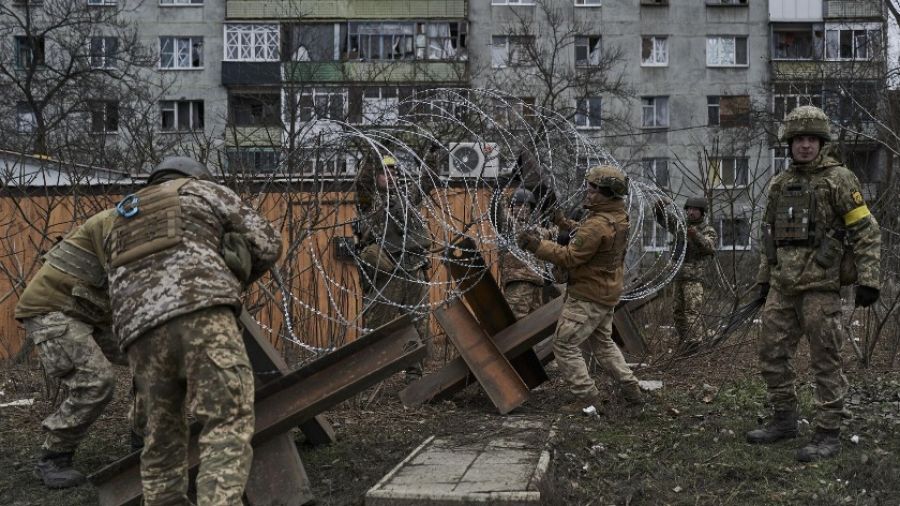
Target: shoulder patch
x,y
858,198
577,241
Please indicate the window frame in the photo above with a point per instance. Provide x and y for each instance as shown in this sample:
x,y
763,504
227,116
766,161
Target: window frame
x,y
176,117
181,3
175,50
785,159
814,97
817,46
25,117
717,165
735,38
270,113
715,102
658,235
255,152
25,49
271,52
108,60
872,32
583,113
101,3
720,231
511,41
514,3
653,50
652,164
389,101
588,3
593,52
110,108
317,92
658,103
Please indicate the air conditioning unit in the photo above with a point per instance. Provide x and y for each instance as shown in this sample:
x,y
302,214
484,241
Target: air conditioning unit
x,y
474,159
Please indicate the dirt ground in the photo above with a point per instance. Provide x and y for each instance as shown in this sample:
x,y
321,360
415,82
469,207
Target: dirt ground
x,y
685,447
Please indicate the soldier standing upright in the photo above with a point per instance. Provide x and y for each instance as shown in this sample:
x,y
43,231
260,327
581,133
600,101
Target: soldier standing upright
x,y
65,311
595,259
815,215
175,300
700,245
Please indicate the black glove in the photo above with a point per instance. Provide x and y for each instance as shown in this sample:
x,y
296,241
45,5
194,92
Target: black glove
x,y
528,240
563,238
763,290
866,295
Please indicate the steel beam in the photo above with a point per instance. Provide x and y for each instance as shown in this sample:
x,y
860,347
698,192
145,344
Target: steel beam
x,y
492,370
294,398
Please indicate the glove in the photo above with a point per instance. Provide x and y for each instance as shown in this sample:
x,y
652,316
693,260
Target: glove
x,y
528,240
692,233
237,256
763,290
559,218
866,295
563,238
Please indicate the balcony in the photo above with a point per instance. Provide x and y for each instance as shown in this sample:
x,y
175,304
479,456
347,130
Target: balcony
x,y
345,9
819,70
378,72
256,136
235,73
835,9
795,11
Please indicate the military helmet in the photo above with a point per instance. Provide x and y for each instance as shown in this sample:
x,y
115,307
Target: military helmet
x,y
608,176
523,196
698,202
389,161
806,120
183,165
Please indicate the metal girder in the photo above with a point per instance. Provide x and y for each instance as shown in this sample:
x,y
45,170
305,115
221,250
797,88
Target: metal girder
x,y
514,340
492,370
292,399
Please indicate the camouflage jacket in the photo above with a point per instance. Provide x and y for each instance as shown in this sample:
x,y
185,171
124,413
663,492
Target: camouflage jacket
x,y
839,204
513,269
391,220
701,246
58,286
190,275
595,257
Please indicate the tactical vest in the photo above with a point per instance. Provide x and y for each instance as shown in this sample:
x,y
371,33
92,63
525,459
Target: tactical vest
x,y
160,223
794,220
76,262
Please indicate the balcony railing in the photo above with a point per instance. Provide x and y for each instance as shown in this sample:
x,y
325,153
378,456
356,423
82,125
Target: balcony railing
x,y
852,9
264,136
377,72
345,9
814,70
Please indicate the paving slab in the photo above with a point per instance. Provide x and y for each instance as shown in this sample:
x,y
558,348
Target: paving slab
x,y
502,468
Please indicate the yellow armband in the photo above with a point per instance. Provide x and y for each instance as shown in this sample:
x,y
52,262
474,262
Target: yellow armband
x,y
856,215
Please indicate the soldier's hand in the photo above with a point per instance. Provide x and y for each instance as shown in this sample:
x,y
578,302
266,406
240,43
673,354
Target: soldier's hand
x,y
763,291
866,296
528,240
559,218
563,238
692,233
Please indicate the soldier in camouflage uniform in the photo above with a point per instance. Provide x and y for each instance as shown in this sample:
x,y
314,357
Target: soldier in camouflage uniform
x,y
393,251
595,259
175,300
65,311
814,218
523,288
701,240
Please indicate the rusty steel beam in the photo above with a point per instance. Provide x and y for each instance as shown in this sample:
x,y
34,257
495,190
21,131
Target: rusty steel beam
x,y
296,397
492,370
514,340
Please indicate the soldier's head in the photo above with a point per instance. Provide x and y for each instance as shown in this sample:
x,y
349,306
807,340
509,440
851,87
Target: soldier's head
x,y
806,130
175,167
606,182
522,202
388,176
695,208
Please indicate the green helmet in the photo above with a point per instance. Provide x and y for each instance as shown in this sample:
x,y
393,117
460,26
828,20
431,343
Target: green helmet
x,y
523,196
187,167
698,202
608,176
806,120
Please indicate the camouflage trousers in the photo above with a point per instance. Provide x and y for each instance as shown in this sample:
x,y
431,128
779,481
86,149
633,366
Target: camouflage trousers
x,y
688,300
73,352
523,297
580,321
196,361
785,319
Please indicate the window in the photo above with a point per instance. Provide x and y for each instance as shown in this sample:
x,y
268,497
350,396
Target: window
x,y
104,116
656,170
851,103
29,52
180,2
508,51
513,113
101,2
254,109
861,42
655,112
587,112
654,236
181,115
788,96
103,52
781,159
405,41
726,51
181,52
512,2
798,43
654,51
321,162
323,103
441,41
252,160
26,119
727,2
587,51
380,105
734,233
588,3
729,172
251,42
728,111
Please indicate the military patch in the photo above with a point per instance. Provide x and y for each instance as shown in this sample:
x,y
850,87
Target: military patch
x,y
858,198
577,242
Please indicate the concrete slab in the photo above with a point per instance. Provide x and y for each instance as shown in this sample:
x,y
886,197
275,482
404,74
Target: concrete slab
x,y
504,469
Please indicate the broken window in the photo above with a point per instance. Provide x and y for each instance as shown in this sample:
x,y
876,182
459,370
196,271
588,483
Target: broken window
x,y
798,42
246,109
728,111
860,42
180,52
655,51
587,51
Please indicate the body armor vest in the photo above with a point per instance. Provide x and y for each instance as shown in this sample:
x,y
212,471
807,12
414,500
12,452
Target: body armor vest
x,y
76,262
160,223
794,222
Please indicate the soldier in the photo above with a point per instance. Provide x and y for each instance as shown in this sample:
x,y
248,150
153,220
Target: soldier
x,y
701,246
175,299
522,286
595,260
393,251
65,311
815,215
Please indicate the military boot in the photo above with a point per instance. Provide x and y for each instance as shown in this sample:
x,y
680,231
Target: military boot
x,y
578,406
632,395
782,426
55,470
824,444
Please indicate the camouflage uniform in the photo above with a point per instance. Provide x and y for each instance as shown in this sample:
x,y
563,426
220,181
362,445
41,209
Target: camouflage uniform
x,y
523,288
65,311
689,297
804,297
174,302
